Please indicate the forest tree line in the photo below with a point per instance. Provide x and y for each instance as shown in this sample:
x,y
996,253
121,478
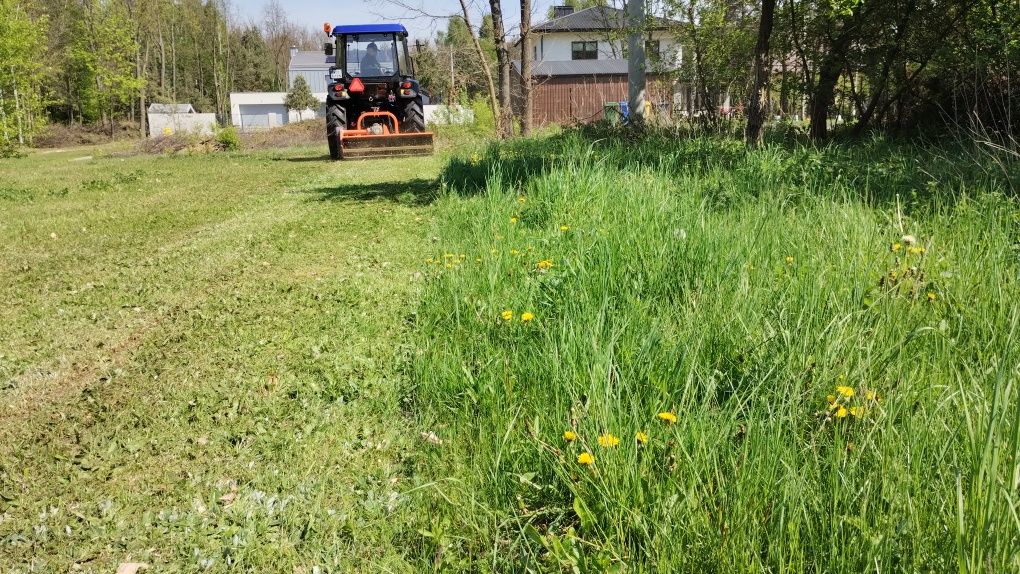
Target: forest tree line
x,y
870,64
103,61
856,64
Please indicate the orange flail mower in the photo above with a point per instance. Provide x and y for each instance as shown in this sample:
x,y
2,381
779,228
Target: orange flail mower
x,y
382,138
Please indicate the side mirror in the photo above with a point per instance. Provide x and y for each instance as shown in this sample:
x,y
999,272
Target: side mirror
x,y
328,48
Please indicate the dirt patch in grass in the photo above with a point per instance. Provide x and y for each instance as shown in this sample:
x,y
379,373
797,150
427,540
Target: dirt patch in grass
x,y
295,134
61,135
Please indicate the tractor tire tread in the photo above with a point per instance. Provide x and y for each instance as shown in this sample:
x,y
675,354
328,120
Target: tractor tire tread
x,y
336,118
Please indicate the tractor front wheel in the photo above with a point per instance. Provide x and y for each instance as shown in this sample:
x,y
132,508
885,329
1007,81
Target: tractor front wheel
x,y
414,118
336,120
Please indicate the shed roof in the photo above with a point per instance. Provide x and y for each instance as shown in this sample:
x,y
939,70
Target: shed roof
x,y
172,109
316,60
594,19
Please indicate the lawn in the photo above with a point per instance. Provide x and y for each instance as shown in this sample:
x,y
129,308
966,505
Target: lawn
x,y
581,352
201,357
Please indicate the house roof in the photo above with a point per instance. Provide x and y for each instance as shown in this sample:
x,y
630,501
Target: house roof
x,y
311,61
171,109
577,68
595,19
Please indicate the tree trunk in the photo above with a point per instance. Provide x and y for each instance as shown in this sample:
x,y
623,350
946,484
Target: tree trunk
x,y
17,108
755,111
505,113
636,61
3,114
825,93
490,84
527,118
139,73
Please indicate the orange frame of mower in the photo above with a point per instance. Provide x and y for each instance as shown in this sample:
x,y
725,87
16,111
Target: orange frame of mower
x,y
360,132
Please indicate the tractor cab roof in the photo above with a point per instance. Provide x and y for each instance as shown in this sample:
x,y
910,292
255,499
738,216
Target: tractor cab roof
x,y
351,29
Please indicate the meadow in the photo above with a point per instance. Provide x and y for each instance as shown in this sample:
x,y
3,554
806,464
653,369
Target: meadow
x,y
581,352
680,355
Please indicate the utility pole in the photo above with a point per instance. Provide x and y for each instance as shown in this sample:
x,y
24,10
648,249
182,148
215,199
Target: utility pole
x,y
636,59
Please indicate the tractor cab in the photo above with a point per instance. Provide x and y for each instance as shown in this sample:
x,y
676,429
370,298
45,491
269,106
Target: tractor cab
x,y
374,103
374,56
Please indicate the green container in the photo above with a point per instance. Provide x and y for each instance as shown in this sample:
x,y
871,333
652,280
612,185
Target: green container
x,y
612,113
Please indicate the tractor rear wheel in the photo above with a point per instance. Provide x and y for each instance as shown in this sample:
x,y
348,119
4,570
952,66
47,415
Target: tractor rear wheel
x,y
414,118
336,120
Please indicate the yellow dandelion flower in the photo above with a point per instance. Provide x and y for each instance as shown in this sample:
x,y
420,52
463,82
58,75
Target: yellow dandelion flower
x,y
841,412
857,412
514,252
513,220
831,399
896,247
667,417
507,315
564,228
608,440
870,395
545,264
585,459
449,265
475,159
845,391
527,316
521,199
641,437
789,259
916,250
931,296
569,436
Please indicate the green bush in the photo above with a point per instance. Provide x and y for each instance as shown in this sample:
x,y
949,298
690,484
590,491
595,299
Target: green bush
x,y
835,331
9,149
228,139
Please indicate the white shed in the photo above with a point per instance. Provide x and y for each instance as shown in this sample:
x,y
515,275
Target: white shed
x,y
169,119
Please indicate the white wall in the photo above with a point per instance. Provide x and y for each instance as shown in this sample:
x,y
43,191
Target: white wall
x,y
440,114
556,46
168,124
264,110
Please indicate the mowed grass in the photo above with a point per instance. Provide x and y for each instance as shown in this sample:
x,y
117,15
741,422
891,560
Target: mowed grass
x,y
200,360
836,333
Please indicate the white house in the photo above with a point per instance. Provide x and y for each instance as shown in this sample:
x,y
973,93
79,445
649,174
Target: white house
x,y
580,63
599,33
250,111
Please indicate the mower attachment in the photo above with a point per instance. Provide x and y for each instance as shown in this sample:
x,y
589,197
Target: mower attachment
x,y
383,139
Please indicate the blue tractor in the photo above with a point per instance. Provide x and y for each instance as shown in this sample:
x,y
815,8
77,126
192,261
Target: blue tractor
x,y
374,104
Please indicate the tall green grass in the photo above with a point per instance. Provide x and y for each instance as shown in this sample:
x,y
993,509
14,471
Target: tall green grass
x,y
735,289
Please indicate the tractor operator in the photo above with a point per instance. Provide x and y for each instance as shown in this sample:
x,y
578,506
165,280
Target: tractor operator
x,y
370,63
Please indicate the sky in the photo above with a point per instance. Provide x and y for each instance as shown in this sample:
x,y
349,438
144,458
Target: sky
x,y
312,13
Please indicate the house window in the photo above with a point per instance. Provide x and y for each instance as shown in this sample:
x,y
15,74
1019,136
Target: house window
x,y
584,50
653,50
